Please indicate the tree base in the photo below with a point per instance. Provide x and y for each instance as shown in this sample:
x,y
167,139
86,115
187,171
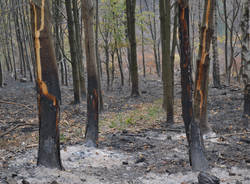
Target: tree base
x,y
91,144
245,120
197,150
205,178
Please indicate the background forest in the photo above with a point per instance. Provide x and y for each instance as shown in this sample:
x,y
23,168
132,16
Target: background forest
x,y
143,91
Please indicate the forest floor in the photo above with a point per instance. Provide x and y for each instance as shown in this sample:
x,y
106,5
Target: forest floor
x,y
135,145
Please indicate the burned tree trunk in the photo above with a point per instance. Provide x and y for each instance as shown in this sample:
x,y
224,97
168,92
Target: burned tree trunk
x,y
49,94
185,65
142,43
130,10
98,60
205,178
91,133
73,52
1,74
246,61
216,66
202,69
226,36
197,157
167,76
79,48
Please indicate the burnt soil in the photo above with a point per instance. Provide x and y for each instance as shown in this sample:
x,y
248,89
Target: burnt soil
x,y
150,147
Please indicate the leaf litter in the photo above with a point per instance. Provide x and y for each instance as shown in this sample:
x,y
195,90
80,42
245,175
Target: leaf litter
x,y
135,146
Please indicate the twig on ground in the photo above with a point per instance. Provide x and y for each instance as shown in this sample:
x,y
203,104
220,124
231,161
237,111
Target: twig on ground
x,y
13,103
11,129
246,140
31,145
228,135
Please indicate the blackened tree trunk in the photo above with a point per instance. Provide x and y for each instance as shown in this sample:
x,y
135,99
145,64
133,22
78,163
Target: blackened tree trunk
x,y
49,94
130,10
25,33
112,53
106,48
12,44
58,39
1,74
235,10
79,48
73,52
185,65
216,66
226,36
167,75
18,36
202,69
120,62
142,42
153,32
245,55
91,133
197,157
174,42
157,59
98,60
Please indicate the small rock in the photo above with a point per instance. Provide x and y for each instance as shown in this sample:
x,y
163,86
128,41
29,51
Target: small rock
x,y
148,169
247,160
128,168
167,171
124,131
206,178
23,80
231,174
25,182
169,137
124,163
238,182
83,180
139,160
14,175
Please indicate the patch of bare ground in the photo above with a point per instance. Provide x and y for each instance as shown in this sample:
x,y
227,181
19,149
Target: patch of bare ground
x,y
135,145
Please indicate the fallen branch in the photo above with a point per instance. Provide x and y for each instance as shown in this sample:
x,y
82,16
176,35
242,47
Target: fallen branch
x,y
246,140
11,129
31,145
13,103
228,135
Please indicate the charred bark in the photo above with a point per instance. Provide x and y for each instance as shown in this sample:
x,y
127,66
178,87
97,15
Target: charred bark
x,y
185,65
202,69
216,66
49,94
91,134
167,65
73,52
130,10
245,55
206,178
1,74
196,150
